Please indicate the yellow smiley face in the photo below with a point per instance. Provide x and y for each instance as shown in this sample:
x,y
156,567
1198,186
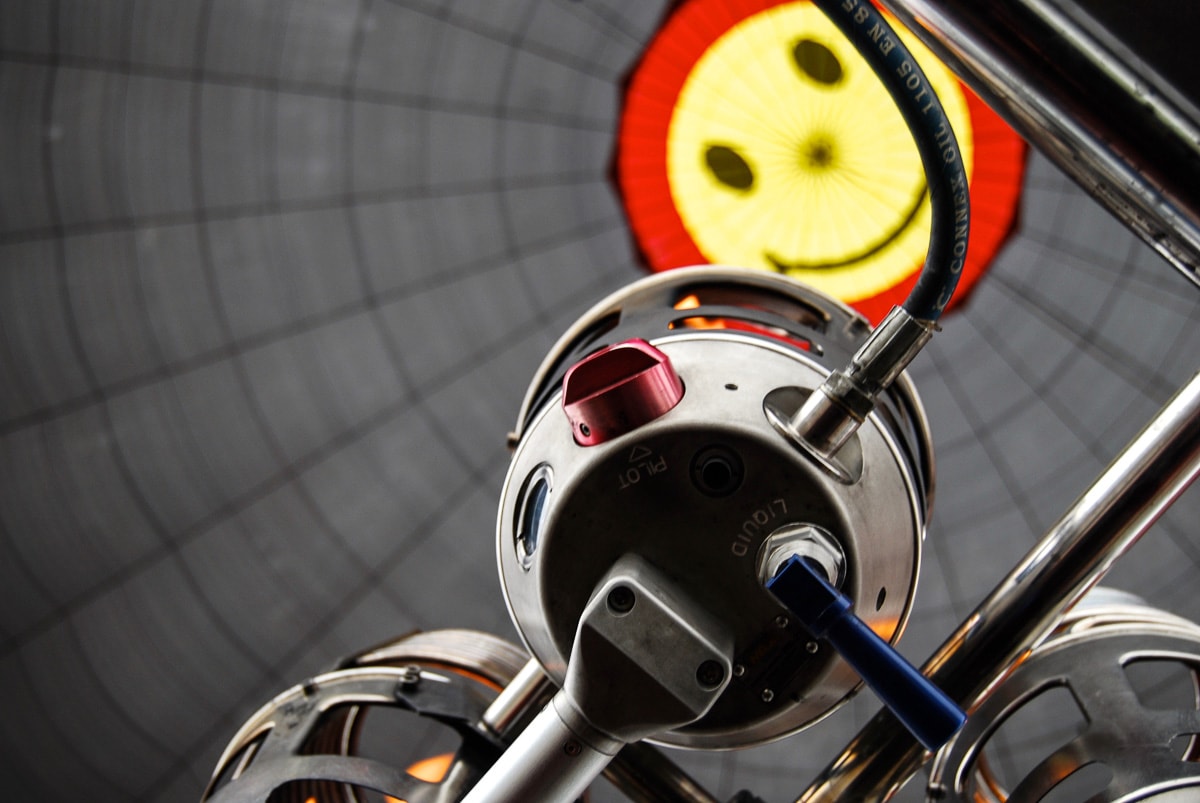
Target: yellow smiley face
x,y
752,133
785,152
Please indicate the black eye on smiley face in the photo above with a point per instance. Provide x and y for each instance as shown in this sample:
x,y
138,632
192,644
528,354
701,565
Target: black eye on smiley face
x,y
817,62
816,152
729,167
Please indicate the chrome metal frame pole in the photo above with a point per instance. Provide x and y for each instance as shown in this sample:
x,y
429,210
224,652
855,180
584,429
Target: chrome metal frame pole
x,y
643,773
555,758
640,771
519,702
1119,507
1086,101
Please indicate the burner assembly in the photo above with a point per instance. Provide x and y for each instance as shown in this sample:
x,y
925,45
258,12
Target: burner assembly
x,y
697,552
712,472
656,431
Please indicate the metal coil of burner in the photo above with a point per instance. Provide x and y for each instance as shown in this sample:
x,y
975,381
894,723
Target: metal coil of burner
x,y
307,745
1124,751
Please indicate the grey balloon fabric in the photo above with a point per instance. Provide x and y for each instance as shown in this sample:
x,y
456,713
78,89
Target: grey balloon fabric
x,y
273,279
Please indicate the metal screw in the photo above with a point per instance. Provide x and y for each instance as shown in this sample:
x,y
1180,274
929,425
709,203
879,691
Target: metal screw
x,y
621,600
781,621
572,748
411,676
767,695
738,670
710,674
812,647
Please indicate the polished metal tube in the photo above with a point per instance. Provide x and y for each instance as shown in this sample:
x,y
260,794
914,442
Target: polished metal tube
x,y
640,771
1127,498
554,759
644,774
1081,97
519,701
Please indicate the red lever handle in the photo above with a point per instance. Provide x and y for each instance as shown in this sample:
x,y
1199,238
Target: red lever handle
x,y
618,389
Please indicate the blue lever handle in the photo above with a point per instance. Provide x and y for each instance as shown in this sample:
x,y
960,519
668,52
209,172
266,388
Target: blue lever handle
x,y
923,708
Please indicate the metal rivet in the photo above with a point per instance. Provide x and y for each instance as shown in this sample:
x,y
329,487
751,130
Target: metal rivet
x,y
621,600
781,621
767,695
738,670
812,647
572,748
410,676
710,674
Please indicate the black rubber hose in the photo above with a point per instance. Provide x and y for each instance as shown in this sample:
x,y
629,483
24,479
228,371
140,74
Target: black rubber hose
x,y
945,173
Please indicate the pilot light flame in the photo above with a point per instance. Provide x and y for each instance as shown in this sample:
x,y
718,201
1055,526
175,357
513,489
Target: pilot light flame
x,y
753,134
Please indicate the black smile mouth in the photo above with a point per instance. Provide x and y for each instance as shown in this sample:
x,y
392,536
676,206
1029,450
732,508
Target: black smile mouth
x,y
783,266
